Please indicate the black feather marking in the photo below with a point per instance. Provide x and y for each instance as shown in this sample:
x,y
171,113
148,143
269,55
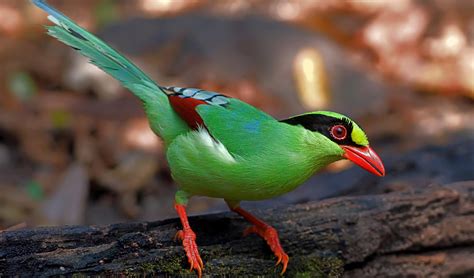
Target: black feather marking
x,y
110,68
322,124
77,35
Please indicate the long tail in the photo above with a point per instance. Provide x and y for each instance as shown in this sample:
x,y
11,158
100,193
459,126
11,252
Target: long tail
x,y
162,118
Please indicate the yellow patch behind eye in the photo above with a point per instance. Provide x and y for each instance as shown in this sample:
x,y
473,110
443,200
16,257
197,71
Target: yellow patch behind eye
x,y
358,136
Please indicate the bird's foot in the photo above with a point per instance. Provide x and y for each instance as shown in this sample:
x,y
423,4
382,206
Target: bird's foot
x,y
271,237
188,237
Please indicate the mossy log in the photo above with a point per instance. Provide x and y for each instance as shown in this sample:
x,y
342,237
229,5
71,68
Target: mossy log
x,y
424,233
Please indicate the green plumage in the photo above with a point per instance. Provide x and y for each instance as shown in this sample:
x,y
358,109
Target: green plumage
x,y
250,155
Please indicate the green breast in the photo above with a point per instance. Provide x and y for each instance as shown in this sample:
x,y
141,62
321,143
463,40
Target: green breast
x,y
285,159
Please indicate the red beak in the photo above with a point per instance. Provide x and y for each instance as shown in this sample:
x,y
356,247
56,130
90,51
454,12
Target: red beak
x,y
366,158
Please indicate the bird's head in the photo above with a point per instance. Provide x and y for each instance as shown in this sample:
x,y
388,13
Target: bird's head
x,y
349,138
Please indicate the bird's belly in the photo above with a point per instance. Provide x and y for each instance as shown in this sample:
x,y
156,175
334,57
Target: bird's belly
x,y
232,190
201,167
237,181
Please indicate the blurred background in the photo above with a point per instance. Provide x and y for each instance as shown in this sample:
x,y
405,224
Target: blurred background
x,y
75,147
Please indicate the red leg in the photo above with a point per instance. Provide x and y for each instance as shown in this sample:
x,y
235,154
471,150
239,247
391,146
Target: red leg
x,y
189,241
267,232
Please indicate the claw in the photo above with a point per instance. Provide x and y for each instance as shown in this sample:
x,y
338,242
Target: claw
x,y
200,262
271,237
178,235
279,260
188,237
265,231
189,243
284,261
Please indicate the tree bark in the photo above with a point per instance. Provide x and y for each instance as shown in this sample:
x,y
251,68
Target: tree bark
x,y
423,233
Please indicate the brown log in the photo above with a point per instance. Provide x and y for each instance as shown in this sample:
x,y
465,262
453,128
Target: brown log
x,y
423,233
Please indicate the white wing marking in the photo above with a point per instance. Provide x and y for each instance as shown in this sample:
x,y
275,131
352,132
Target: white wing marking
x,y
218,147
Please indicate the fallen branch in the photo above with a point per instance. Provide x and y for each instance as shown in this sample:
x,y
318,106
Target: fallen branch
x,y
424,233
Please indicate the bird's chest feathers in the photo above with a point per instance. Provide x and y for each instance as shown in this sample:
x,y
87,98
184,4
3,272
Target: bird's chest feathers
x,y
204,166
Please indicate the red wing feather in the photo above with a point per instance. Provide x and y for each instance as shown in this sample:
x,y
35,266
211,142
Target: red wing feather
x,y
186,109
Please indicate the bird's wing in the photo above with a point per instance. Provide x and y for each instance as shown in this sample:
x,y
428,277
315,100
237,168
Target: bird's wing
x,y
185,100
163,119
240,127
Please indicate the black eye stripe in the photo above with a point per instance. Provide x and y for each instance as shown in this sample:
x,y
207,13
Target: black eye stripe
x,y
323,124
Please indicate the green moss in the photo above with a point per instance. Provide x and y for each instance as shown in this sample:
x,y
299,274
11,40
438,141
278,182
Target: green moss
x,y
314,266
234,269
78,275
168,265
148,268
299,266
303,275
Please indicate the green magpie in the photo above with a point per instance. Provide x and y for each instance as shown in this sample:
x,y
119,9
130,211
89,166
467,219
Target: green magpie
x,y
222,147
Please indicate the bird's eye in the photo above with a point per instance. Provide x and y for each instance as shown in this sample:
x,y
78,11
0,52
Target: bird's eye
x,y
339,132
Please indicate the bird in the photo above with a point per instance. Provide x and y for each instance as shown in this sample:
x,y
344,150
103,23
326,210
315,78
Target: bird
x,y
222,147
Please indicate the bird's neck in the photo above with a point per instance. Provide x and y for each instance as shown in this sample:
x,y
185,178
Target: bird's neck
x,y
311,153
295,158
